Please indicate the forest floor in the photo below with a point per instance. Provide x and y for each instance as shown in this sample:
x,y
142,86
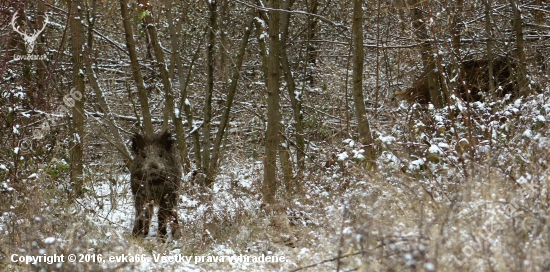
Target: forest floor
x,y
443,196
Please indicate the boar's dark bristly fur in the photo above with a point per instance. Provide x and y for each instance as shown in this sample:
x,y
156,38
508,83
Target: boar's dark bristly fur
x,y
155,180
474,81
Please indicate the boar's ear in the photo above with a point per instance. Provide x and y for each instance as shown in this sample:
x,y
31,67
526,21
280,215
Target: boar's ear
x,y
138,142
166,140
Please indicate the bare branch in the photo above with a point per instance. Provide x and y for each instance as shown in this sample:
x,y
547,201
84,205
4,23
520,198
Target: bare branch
x,y
320,17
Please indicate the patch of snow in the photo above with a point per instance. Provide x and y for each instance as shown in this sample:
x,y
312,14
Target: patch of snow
x,y
343,156
434,149
387,139
416,164
443,145
357,154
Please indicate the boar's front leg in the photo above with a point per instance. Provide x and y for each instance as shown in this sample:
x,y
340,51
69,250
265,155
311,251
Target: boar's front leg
x,y
144,212
168,215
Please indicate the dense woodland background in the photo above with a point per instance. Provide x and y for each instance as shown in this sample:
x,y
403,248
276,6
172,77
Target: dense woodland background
x,y
382,135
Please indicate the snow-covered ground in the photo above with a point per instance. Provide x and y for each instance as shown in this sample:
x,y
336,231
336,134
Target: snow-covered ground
x,y
427,205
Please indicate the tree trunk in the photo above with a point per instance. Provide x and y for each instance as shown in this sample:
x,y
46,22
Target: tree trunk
x,y
311,50
284,152
521,74
455,14
40,65
77,95
223,25
357,81
295,98
286,164
455,29
229,101
174,37
539,14
103,105
273,115
136,71
27,64
261,25
489,33
186,105
212,7
427,57
169,98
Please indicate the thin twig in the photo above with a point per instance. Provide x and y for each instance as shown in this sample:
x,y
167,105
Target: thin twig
x,y
320,17
327,261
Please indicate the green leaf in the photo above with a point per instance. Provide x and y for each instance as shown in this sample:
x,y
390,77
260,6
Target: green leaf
x,y
144,13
